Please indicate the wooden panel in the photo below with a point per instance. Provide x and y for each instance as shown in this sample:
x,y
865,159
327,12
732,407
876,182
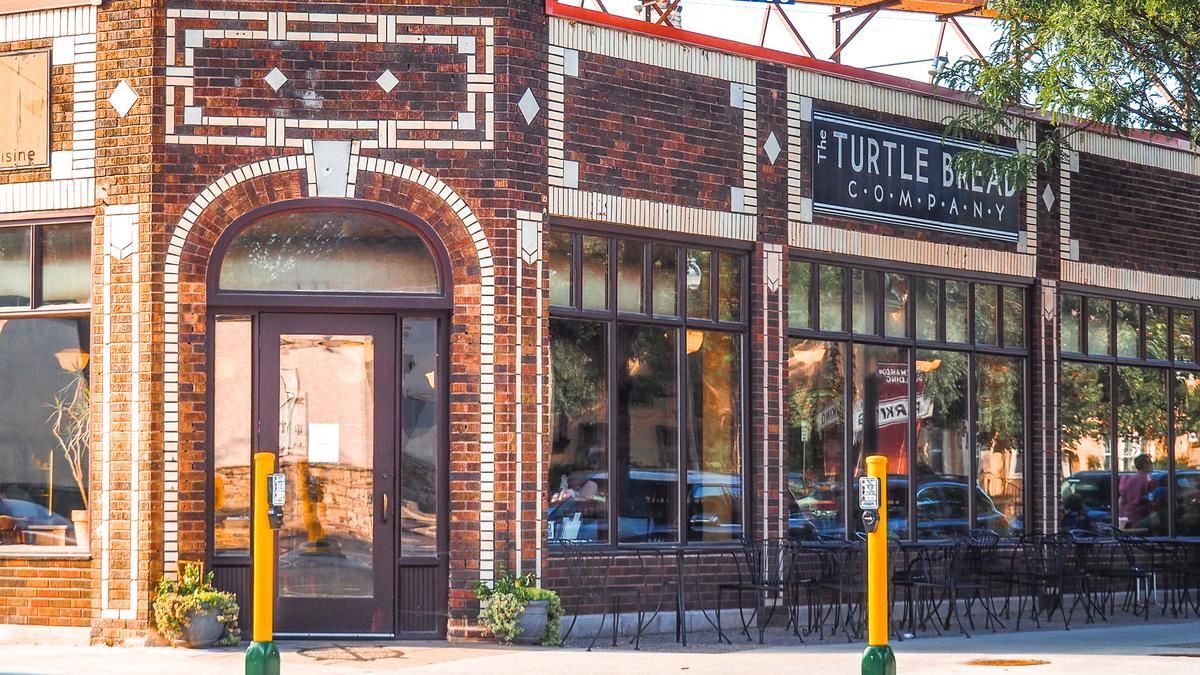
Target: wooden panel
x,y
25,107
236,579
422,601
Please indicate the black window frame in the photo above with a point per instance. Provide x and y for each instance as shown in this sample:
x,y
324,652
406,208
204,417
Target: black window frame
x,y
613,318
36,306
912,344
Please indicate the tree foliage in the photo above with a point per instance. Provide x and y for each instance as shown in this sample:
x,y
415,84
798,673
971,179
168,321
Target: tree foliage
x,y
1081,63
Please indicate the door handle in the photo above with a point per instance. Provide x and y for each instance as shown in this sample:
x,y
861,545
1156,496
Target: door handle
x,y
385,507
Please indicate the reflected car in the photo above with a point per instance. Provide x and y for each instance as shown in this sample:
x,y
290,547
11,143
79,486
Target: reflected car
x,y
1095,488
28,514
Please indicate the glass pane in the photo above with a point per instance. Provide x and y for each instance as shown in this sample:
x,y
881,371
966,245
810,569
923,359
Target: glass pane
x,y
1155,332
14,266
44,431
419,434
577,491
1086,455
327,452
799,295
832,284
865,300
1099,314
1070,310
233,368
895,305
816,427
558,259
929,303
1014,316
698,277
595,272
714,419
1000,442
1128,326
880,414
630,258
666,280
340,251
986,307
958,295
943,458
1184,343
729,291
66,264
647,400
1187,454
1142,449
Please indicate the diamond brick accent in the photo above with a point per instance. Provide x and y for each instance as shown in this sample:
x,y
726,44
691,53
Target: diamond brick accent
x,y
772,147
529,106
276,78
387,81
123,98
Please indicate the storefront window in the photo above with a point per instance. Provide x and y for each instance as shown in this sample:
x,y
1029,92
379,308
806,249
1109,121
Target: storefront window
x,y
800,295
1127,454
670,405
232,433
948,416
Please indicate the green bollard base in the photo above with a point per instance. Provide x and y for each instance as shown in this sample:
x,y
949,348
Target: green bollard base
x,y
262,658
877,660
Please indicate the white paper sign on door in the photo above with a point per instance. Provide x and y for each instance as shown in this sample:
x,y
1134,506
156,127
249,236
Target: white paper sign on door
x,y
324,445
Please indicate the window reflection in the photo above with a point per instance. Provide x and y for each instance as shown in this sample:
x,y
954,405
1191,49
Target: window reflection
x,y
558,260
1099,315
729,299
698,280
816,424
1000,442
419,433
929,303
1070,314
958,295
1128,326
647,434
595,272
232,434
986,306
880,417
1142,449
799,295
943,462
1185,335
66,264
1084,413
666,280
864,300
1155,333
629,276
577,507
895,305
1187,454
714,427
1014,316
831,290
14,266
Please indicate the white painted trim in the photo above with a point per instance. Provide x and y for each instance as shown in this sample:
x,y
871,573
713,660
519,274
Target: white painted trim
x,y
1171,288
1138,152
654,215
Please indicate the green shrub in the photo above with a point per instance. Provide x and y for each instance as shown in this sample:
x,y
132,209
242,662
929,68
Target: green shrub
x,y
176,599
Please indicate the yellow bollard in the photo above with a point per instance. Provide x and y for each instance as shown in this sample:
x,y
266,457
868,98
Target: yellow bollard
x,y
878,658
262,658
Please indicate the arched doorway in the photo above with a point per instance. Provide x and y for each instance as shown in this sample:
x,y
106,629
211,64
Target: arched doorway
x,y
327,341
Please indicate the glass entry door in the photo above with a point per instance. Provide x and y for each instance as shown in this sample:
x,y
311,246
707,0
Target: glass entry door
x,y
327,396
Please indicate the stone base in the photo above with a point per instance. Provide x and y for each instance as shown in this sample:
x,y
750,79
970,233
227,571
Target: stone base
x,y
57,636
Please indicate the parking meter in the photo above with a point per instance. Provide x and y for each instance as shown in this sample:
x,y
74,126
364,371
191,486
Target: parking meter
x,y
868,501
276,497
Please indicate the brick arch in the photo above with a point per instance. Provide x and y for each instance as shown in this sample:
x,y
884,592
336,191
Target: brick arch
x,y
472,347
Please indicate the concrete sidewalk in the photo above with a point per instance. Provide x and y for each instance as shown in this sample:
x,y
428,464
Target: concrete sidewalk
x,y
1161,648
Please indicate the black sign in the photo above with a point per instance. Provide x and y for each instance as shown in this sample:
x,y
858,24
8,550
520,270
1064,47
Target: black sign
x,y
871,170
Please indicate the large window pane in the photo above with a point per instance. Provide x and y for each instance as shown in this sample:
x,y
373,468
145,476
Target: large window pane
x,y
558,259
1155,333
714,425
647,433
895,305
630,255
66,264
986,306
831,291
1128,326
1142,449
665,268
44,432
816,427
957,318
864,300
1000,442
880,424
14,266
1085,451
729,289
1185,335
929,304
233,353
799,295
1187,454
313,250
698,277
1099,326
595,272
1070,313
419,433
943,459
577,492
1014,316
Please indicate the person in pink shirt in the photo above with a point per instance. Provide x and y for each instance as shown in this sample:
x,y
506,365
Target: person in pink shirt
x,y
1134,493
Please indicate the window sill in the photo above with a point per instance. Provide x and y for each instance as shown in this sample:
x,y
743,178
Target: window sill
x,y
26,552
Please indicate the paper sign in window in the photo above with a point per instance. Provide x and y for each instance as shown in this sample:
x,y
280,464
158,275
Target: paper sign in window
x,y
324,443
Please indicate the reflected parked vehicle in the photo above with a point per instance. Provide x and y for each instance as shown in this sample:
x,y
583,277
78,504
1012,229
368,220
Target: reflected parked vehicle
x,y
1094,488
35,522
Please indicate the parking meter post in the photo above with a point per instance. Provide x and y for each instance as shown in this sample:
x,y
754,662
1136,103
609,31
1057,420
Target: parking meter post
x,y
878,658
262,658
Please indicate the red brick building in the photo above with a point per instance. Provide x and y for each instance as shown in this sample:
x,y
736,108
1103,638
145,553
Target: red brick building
x,y
489,275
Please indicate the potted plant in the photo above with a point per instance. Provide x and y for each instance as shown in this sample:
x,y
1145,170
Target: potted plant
x,y
191,613
70,419
513,609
